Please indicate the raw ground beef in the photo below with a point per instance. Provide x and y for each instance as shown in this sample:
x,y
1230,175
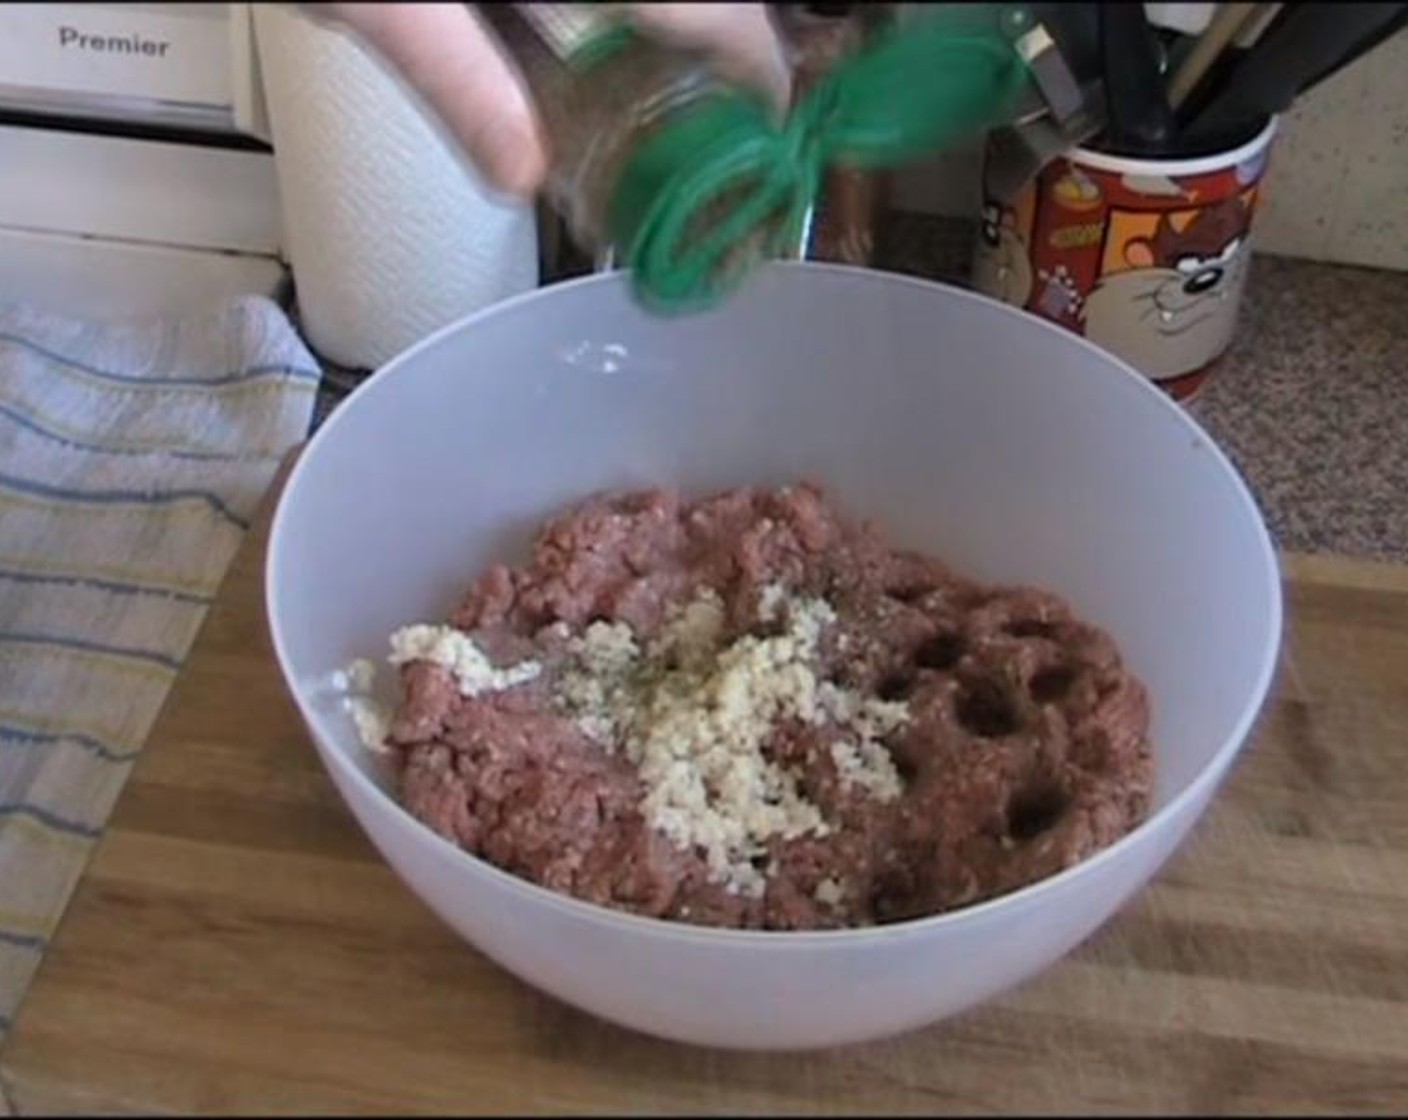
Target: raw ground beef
x,y
1026,749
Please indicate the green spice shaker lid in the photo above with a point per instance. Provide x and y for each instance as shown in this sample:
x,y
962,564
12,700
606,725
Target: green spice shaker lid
x,y
722,184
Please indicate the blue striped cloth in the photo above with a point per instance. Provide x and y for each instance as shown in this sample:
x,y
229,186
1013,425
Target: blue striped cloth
x,y
132,456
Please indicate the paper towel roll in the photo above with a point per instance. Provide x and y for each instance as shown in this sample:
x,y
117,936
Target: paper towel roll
x,y
389,232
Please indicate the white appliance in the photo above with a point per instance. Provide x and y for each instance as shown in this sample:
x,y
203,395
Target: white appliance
x,y
135,169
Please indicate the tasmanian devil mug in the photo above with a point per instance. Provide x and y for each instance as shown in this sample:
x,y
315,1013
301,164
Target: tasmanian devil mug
x,y
1145,257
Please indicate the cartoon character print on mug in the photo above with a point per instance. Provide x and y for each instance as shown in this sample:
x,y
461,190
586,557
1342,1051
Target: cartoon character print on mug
x,y
1150,265
1002,266
1170,306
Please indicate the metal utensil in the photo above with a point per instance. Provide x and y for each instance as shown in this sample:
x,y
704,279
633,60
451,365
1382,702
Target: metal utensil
x,y
1069,111
1016,153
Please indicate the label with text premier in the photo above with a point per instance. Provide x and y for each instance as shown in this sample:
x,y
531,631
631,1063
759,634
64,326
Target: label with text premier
x,y
571,31
171,53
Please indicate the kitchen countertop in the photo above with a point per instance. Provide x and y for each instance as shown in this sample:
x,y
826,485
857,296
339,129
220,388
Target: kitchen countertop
x,y
238,947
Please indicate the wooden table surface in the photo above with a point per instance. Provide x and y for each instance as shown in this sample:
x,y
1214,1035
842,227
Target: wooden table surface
x,y
237,945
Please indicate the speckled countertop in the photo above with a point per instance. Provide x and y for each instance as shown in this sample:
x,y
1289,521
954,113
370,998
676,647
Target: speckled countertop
x,y
1311,402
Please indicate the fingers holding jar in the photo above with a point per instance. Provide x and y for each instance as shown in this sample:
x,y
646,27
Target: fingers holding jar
x,y
454,61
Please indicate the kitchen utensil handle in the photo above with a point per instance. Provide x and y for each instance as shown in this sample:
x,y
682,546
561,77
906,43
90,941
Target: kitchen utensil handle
x,y
1309,38
1226,23
1139,112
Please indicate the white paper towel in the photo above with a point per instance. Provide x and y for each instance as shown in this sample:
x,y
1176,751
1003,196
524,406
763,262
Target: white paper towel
x,y
389,232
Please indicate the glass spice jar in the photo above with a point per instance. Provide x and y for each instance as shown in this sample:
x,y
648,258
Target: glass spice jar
x,y
852,201
691,181
602,92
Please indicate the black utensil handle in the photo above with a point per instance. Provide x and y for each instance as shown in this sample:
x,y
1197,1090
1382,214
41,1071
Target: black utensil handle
x,y
1308,39
1140,118
1360,48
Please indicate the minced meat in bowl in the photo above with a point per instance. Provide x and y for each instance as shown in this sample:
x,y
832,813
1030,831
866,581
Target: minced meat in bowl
x,y
749,710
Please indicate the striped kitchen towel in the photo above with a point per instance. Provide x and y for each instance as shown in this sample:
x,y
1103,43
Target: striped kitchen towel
x,y
132,456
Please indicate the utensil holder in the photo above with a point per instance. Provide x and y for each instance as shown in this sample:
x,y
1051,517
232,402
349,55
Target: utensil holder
x,y
1145,257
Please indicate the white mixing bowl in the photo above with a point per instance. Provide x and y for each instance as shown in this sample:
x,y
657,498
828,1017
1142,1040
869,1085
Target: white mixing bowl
x,y
1003,443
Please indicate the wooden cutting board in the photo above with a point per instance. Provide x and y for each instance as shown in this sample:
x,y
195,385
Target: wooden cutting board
x,y
237,946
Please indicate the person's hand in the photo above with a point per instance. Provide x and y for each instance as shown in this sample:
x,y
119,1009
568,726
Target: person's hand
x,y
454,61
